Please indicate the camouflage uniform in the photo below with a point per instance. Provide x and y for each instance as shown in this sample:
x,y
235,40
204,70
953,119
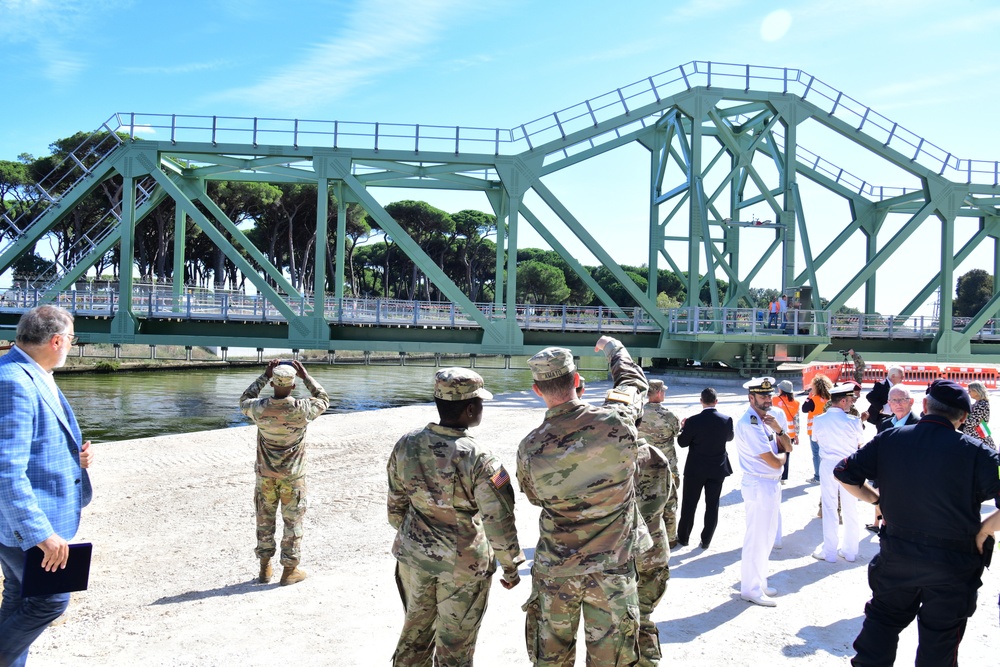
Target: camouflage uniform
x,y
452,505
859,368
281,459
652,486
660,427
579,467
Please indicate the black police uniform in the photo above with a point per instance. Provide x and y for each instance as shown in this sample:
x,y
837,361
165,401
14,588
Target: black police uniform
x,y
933,481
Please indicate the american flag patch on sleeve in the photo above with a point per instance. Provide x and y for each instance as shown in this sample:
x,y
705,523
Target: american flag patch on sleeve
x,y
500,477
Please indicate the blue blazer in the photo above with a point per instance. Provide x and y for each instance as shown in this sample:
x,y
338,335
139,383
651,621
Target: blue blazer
x,y
42,486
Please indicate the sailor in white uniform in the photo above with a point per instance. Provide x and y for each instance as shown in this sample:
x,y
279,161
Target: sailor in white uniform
x,y
839,435
762,443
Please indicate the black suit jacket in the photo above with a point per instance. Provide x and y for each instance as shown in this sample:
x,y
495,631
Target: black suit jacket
x,y
877,398
707,433
886,424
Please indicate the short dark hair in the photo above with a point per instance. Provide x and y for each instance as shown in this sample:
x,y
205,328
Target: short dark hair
x,y
708,395
936,407
450,411
558,385
40,324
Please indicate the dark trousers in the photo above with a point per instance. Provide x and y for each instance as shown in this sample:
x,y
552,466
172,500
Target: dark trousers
x,y
22,620
692,486
940,596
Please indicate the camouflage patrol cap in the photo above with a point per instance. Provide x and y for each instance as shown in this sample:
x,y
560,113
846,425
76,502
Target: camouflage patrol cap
x,y
459,384
283,376
551,363
656,386
764,385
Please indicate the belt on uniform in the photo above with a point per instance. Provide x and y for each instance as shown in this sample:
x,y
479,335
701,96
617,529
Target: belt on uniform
x,y
917,537
775,478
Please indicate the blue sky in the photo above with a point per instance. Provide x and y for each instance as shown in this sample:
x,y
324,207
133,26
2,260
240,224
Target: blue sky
x,y
70,64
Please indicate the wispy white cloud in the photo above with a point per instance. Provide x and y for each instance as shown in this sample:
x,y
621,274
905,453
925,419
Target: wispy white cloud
x,y
169,70
376,38
698,9
49,27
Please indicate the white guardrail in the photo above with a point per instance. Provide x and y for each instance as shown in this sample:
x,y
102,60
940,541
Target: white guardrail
x,y
237,307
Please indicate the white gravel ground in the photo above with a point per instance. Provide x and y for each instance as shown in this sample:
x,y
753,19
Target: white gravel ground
x,y
173,574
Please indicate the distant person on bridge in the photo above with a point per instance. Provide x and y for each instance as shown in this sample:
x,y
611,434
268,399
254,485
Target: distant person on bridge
x,y
43,473
281,461
978,423
772,318
878,397
579,468
452,505
932,483
660,427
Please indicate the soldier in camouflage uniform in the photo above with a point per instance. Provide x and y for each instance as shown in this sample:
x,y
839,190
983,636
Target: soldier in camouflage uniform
x,y
579,468
660,427
859,367
281,461
652,487
452,505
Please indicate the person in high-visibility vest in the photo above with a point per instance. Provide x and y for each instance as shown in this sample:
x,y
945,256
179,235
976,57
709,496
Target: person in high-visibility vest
x,y
785,400
819,394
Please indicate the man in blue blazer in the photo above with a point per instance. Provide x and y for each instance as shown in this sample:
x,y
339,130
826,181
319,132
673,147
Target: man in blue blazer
x,y
707,466
43,478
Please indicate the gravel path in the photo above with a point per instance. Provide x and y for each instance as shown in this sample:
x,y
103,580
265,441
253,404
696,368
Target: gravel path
x,y
173,574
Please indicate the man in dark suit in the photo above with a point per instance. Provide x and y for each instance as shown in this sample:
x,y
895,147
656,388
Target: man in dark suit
x,y
43,476
901,405
878,397
707,466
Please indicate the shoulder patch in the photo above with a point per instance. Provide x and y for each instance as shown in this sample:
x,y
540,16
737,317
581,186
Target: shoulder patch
x,y
753,419
500,478
617,396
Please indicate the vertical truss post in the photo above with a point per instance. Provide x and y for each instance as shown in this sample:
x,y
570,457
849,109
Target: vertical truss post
x,y
655,231
180,241
339,276
322,234
123,325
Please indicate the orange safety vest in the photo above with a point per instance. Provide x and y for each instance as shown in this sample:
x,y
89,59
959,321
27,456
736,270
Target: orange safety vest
x,y
791,410
818,405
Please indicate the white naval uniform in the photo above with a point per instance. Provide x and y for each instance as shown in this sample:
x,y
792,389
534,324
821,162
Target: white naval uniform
x,y
839,435
761,489
779,415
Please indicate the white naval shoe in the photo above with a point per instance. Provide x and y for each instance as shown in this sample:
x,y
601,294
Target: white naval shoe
x,y
819,555
770,592
849,559
763,600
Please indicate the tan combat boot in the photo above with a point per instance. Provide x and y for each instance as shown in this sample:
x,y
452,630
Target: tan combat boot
x,y
292,575
265,571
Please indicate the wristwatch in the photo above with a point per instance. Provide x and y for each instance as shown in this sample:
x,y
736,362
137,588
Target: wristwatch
x,y
780,433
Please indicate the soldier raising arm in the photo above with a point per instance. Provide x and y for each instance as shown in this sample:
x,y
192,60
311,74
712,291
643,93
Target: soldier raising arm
x,y
579,468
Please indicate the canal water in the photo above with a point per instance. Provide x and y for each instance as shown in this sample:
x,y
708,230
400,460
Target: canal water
x,y
123,406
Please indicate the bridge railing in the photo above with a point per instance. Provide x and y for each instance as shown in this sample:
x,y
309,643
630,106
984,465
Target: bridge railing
x,y
201,305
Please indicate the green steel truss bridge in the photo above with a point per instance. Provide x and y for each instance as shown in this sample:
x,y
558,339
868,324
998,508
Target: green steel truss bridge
x,y
723,161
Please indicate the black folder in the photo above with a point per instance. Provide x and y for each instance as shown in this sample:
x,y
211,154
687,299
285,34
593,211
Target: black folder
x,y
74,577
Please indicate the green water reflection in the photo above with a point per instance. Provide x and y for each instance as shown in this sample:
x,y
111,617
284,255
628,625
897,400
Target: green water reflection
x,y
123,406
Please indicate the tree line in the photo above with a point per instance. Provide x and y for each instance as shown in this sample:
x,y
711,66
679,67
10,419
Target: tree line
x,y
280,220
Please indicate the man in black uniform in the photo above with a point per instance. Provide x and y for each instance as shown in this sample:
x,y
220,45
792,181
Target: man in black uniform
x,y
932,481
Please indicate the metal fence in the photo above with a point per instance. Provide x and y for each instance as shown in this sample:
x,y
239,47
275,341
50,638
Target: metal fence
x,y
236,307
